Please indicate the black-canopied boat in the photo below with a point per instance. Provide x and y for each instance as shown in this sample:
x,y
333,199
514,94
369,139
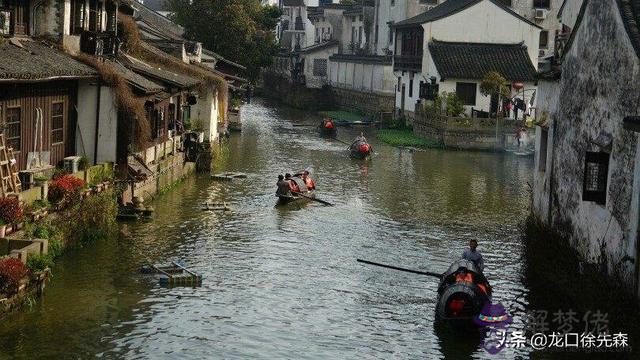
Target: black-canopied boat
x,y
462,293
360,149
328,128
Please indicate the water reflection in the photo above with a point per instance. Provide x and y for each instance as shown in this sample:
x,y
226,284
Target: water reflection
x,y
283,281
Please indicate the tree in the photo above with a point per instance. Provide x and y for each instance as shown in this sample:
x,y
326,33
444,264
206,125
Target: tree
x,y
239,30
493,85
455,106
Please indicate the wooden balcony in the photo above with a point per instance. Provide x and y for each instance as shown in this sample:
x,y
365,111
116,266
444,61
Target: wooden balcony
x,y
407,63
99,43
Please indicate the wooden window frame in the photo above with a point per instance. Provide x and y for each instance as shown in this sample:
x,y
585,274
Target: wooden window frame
x,y
462,96
78,17
596,177
544,34
55,130
7,124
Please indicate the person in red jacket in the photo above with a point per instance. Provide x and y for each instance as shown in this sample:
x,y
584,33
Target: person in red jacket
x,y
307,180
292,184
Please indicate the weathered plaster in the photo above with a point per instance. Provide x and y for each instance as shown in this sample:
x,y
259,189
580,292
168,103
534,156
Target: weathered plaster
x,y
597,90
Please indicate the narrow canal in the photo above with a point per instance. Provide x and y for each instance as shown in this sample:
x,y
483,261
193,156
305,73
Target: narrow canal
x,y
283,282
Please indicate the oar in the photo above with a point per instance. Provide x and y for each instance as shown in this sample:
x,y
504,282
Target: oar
x,y
312,198
428,273
340,141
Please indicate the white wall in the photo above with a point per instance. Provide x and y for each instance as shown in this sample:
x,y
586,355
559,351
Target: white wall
x,y
366,77
206,110
484,22
317,81
85,132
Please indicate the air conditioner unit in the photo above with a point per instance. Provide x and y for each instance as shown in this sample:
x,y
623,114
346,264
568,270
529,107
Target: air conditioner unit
x,y
541,14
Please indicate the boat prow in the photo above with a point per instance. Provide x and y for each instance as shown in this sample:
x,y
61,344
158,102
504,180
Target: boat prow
x,y
462,293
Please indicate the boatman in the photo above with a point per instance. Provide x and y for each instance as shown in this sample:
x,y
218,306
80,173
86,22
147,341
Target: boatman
x,y
472,254
283,186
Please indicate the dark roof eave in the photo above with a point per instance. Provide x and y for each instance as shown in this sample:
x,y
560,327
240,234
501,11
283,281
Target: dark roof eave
x,y
51,78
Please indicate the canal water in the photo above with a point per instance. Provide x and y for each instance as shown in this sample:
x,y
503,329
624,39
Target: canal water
x,y
283,282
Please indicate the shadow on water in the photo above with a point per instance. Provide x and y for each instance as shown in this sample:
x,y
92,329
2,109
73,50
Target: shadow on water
x,y
282,281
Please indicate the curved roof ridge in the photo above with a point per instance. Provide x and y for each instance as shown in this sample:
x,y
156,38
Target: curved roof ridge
x,y
452,7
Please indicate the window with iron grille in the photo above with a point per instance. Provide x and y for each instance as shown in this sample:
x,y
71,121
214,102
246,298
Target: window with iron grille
x,y
57,122
319,67
505,2
466,92
542,4
13,128
596,172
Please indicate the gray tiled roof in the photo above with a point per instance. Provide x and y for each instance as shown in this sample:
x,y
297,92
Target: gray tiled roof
x,y
158,74
474,60
137,81
292,2
34,60
451,7
630,12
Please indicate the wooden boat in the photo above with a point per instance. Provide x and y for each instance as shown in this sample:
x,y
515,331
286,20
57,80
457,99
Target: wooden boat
x,y
462,293
289,198
360,150
328,128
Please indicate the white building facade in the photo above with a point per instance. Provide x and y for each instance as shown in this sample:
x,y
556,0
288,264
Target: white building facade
x,y
473,37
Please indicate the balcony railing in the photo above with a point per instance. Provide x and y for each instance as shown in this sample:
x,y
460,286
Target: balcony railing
x,y
99,43
407,63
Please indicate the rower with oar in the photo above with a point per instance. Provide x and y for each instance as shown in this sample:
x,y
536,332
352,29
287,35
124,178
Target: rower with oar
x,y
463,290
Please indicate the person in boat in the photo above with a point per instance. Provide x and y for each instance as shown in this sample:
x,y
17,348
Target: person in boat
x,y
472,254
293,187
307,180
282,186
359,139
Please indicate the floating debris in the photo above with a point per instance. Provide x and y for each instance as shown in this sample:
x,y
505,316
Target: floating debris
x,y
215,207
173,274
228,176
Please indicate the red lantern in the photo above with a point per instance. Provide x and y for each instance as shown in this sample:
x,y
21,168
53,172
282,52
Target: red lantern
x,y
517,85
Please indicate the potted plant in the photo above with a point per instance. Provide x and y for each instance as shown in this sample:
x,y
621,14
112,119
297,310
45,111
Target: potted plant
x,y
11,212
13,273
65,190
40,180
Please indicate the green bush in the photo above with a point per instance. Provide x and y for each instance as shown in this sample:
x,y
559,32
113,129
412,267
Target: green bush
x,y
405,137
455,106
39,262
